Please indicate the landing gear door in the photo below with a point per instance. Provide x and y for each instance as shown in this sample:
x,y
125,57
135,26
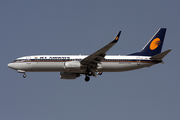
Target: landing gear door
x,y
28,60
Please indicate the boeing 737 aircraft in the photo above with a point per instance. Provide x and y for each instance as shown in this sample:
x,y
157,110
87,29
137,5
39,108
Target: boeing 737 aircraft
x,y
72,66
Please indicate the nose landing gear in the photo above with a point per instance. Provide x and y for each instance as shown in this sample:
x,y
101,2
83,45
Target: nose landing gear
x,y
24,76
22,71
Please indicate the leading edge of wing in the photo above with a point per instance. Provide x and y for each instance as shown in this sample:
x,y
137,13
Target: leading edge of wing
x,y
97,56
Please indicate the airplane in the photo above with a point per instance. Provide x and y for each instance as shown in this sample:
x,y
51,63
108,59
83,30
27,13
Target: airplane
x,y
72,66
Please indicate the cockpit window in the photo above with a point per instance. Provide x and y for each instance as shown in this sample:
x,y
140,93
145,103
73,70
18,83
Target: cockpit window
x,y
18,60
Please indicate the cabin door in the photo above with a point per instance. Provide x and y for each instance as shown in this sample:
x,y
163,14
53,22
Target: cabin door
x,y
28,60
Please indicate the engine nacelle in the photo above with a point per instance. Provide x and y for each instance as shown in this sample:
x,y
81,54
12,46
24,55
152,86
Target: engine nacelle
x,y
72,65
66,75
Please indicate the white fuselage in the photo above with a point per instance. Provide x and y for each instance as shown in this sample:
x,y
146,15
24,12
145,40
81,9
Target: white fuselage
x,y
72,66
57,63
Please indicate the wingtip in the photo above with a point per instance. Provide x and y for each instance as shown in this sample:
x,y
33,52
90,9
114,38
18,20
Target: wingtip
x,y
118,34
116,38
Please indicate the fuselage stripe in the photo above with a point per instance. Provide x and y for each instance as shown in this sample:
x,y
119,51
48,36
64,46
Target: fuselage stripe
x,y
68,60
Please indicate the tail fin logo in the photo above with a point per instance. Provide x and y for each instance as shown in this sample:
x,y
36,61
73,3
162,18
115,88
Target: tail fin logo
x,y
155,43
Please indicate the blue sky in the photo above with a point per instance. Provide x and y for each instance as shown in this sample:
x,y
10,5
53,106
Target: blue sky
x,y
81,27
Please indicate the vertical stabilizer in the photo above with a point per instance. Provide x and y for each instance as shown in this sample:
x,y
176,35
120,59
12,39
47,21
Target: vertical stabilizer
x,y
154,45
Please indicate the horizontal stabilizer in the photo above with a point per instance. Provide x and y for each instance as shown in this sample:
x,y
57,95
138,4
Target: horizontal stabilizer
x,y
160,56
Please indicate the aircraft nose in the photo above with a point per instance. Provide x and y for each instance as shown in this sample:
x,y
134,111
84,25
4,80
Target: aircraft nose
x,y
11,65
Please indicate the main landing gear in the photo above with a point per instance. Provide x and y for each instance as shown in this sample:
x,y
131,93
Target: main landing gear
x,y
88,73
87,78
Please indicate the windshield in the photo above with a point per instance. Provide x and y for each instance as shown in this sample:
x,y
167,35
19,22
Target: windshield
x,y
18,60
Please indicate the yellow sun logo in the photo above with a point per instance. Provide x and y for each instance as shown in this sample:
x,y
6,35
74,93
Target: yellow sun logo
x,y
155,43
117,38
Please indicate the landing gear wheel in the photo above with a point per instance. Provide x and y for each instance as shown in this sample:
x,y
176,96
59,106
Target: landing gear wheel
x,y
89,72
87,78
24,76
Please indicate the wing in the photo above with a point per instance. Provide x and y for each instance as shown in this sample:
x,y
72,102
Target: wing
x,y
96,57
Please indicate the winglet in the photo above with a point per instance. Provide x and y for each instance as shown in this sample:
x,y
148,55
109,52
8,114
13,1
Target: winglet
x,y
116,38
99,73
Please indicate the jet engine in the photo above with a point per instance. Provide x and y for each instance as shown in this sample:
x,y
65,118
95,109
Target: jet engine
x,y
66,75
